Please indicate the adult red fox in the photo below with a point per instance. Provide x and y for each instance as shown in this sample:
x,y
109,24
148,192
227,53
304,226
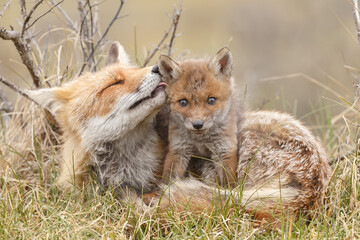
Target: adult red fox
x,y
108,124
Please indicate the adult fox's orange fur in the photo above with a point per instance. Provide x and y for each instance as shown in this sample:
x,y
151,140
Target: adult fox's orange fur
x,y
108,124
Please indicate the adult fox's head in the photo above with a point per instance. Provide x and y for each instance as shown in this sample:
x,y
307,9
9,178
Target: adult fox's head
x,y
105,105
199,90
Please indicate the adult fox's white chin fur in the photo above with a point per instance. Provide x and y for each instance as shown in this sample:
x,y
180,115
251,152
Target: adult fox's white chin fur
x,y
128,112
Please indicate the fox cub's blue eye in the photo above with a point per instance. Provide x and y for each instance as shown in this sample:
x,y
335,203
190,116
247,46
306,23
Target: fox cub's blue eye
x,y
211,100
183,102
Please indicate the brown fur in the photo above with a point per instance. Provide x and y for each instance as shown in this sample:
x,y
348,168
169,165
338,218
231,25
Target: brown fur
x,y
281,167
197,81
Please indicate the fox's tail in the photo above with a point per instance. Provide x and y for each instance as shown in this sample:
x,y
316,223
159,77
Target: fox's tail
x,y
195,196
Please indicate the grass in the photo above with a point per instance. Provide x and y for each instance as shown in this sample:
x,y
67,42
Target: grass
x,y
31,207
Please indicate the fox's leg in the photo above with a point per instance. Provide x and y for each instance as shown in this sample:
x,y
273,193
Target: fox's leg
x,y
71,174
225,161
175,165
225,166
229,167
73,167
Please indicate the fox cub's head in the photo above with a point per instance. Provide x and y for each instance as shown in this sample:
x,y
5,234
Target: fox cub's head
x,y
105,105
199,90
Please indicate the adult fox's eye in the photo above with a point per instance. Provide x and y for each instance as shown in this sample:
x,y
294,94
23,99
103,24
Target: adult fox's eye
x,y
116,83
183,102
211,100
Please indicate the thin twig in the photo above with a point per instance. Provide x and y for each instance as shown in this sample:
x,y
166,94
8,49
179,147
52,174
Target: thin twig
x,y
17,89
6,6
176,18
103,36
84,30
81,37
173,27
48,115
43,15
91,43
5,104
23,8
66,16
24,51
28,16
157,47
357,18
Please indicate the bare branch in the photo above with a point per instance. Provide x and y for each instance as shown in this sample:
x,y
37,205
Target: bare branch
x,y
6,6
28,16
17,89
356,18
91,44
173,27
5,104
84,29
42,15
103,36
23,8
24,50
67,18
157,47
176,18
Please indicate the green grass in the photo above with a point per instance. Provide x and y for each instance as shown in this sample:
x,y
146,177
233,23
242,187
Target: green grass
x,y
30,212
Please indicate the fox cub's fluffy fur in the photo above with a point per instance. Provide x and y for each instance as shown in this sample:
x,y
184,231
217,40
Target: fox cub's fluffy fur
x,y
272,155
107,119
204,118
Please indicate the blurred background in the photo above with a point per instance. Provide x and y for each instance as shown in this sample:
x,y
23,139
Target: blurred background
x,y
295,56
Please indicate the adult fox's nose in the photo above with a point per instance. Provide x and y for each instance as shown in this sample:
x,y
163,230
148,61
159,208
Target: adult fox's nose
x,y
198,124
155,69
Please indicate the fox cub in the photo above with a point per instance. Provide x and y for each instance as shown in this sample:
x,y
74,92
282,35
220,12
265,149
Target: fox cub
x,y
204,118
277,162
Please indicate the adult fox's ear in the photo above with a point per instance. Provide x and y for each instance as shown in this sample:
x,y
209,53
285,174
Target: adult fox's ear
x,y
117,54
221,64
169,69
49,98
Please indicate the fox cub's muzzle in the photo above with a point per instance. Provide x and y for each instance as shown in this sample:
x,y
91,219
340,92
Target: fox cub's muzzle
x,y
198,124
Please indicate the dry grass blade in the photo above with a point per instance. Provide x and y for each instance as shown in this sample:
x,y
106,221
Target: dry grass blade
x,y
302,75
66,16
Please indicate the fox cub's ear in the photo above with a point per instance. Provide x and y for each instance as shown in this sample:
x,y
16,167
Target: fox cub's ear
x,y
221,63
169,69
117,54
47,98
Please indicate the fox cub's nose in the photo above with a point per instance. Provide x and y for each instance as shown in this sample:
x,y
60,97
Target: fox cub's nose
x,y
198,124
155,69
